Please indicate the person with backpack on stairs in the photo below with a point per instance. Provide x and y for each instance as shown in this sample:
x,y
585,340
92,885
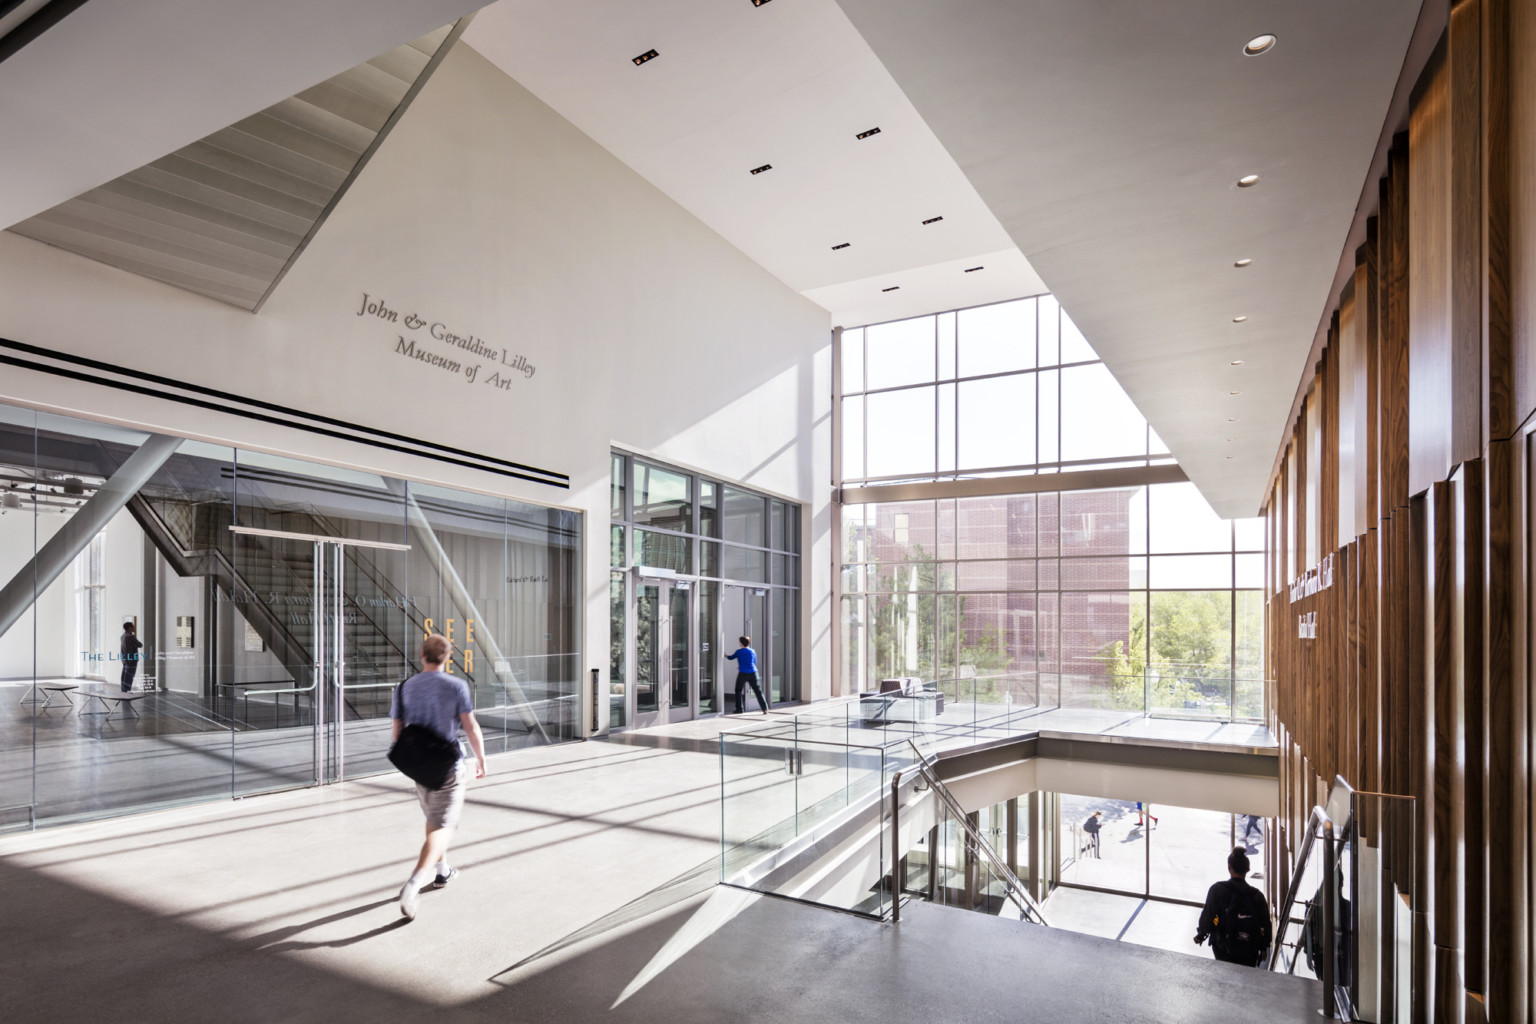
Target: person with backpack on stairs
x,y
1236,917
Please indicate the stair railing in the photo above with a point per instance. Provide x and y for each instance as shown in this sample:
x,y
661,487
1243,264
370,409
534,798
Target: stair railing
x,y
1014,889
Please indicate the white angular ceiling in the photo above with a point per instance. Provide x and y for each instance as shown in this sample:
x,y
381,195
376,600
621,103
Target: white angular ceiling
x,y
789,83
118,84
1108,137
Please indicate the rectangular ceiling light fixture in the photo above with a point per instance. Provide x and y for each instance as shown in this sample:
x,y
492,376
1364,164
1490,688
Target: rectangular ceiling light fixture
x,y
647,55
932,220
760,170
972,270
841,245
865,135
892,288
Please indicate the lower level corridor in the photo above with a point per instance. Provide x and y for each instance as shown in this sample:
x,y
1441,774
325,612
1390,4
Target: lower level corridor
x,y
587,892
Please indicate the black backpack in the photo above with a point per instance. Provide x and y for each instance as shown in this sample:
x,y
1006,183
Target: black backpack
x,y
1240,928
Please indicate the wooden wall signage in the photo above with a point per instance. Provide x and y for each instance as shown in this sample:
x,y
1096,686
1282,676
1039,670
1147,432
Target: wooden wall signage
x,y
1319,577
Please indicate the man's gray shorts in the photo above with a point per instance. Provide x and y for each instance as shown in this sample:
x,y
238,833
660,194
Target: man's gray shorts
x,y
443,806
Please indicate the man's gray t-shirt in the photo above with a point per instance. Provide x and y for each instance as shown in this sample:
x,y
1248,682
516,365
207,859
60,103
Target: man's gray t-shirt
x,y
435,700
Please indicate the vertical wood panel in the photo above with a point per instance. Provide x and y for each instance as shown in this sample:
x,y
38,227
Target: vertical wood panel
x,y
1394,336
1351,389
1521,179
1505,796
1467,437
1444,698
1470,580
1369,287
1328,446
1499,403
1417,738
1429,279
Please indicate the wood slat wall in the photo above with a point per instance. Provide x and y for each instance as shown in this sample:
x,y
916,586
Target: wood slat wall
x,y
225,216
1411,463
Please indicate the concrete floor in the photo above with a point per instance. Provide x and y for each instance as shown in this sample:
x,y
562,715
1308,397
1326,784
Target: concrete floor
x,y
587,892
1168,926
180,748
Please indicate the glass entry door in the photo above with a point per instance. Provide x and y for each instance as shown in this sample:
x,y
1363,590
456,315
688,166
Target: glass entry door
x,y
666,669
316,654
744,612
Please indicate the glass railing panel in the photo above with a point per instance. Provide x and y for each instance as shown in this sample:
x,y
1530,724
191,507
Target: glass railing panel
x,y
804,819
757,799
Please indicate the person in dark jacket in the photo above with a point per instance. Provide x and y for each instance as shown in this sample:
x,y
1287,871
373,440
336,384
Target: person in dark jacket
x,y
746,674
1091,826
128,650
1236,917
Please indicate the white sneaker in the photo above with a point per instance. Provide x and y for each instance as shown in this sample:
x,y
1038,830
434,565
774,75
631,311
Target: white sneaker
x,y
410,892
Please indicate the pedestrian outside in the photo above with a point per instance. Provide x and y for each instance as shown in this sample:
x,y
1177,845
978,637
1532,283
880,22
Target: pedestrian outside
x,y
440,702
1236,917
1091,828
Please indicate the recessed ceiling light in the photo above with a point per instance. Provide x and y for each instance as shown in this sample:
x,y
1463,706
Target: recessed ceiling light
x,y
759,3
1234,392
647,55
1237,362
1260,44
1231,439
972,270
760,170
1248,181
932,220
841,245
1236,319
1231,419
865,135
892,288
1229,456
1242,263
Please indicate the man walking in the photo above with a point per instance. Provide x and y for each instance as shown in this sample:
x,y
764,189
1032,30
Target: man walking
x,y
746,674
128,648
1236,917
1091,827
440,702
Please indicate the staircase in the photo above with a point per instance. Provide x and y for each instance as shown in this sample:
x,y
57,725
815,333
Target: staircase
x,y
186,512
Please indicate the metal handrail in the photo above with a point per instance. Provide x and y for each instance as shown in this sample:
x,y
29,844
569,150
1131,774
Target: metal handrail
x,y
1013,886
1293,888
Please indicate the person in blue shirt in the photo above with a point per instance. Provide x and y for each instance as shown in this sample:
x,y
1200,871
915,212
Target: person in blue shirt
x,y
746,675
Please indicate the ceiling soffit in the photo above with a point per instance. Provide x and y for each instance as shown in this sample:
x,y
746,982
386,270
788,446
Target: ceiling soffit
x,y
227,215
789,84
1108,139
116,85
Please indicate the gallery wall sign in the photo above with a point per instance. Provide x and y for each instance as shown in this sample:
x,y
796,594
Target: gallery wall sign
x,y
437,345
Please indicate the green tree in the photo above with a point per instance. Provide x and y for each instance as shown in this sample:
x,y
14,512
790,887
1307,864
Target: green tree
x,y
1185,661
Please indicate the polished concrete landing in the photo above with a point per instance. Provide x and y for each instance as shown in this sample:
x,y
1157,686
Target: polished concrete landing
x,y
586,893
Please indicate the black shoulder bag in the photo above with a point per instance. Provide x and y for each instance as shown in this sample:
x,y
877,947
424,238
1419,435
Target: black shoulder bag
x,y
421,754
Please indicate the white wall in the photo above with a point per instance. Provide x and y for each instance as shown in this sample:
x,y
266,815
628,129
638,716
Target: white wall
x,y
20,534
487,211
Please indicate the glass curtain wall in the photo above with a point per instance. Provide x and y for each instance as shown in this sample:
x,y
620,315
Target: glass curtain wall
x,y
1132,597
183,621
989,391
696,562
1152,850
1128,598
